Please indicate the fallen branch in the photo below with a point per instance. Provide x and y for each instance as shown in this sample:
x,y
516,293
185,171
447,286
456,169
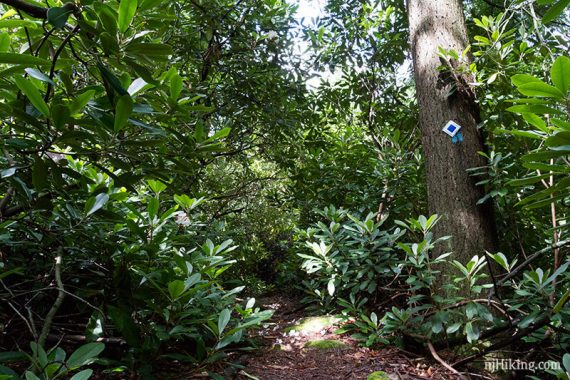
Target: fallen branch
x,y
496,305
83,338
441,361
541,322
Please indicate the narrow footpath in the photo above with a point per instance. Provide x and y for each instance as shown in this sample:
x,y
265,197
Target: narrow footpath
x,y
300,347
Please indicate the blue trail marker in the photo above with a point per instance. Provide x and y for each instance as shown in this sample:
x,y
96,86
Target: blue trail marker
x,y
453,130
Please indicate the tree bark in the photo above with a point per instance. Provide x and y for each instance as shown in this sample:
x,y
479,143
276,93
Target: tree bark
x,y
452,192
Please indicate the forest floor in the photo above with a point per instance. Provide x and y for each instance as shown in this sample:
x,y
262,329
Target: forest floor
x,y
287,353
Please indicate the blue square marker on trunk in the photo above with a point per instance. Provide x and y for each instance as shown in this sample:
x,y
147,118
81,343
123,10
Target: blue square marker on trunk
x,y
453,130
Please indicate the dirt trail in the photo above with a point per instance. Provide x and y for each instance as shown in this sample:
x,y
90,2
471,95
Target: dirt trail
x,y
287,357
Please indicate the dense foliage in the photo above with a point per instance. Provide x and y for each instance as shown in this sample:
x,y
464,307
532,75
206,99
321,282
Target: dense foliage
x,y
165,162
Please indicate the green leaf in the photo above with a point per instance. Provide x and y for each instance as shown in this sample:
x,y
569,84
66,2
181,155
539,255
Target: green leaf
x,y
123,321
560,304
566,362
39,174
453,328
57,16
83,375
219,135
38,75
81,101
31,376
5,173
330,287
555,11
85,354
560,74
111,79
153,205
471,310
175,289
95,203
127,10
109,43
59,115
527,181
33,95
156,186
545,155
4,42
137,85
538,109
535,121
150,50
175,86
23,59
8,374
9,356
540,89
560,124
518,132
18,24
123,110
520,79
192,280
186,202
223,320
560,138
472,332
108,18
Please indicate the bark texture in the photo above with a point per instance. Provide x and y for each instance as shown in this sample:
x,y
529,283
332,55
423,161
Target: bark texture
x,y
452,192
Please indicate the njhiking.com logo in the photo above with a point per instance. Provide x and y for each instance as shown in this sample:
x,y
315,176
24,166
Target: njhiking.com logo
x,y
520,365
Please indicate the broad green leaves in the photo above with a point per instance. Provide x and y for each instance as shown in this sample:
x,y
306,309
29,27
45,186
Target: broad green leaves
x,y
540,89
123,110
560,74
95,203
33,94
57,16
532,86
175,86
82,375
149,49
545,100
81,101
84,355
127,10
223,320
38,75
39,174
555,11
175,289
23,59
53,364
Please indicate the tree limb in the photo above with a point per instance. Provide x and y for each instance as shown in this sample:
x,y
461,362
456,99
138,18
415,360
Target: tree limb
x,y
540,322
531,258
32,10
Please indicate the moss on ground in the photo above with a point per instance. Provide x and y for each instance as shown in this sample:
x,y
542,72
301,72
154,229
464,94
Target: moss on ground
x,y
378,375
313,324
326,344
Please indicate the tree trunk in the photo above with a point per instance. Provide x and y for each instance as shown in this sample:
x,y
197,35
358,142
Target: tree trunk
x,y
452,192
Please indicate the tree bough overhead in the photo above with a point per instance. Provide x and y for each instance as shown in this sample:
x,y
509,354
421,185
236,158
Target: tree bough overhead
x,y
444,90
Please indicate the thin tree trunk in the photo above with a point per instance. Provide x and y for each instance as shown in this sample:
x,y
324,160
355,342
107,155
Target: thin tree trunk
x,y
452,192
